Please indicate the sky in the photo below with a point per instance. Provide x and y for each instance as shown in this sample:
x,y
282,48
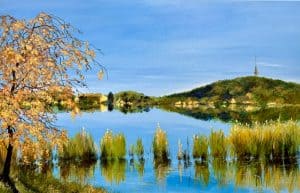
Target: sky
x,y
160,47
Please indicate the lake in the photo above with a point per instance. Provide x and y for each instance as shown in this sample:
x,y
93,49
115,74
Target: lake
x,y
143,176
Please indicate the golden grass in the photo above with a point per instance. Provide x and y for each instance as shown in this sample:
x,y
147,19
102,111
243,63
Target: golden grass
x,y
270,141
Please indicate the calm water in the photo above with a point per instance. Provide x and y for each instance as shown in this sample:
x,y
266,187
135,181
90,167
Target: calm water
x,y
214,176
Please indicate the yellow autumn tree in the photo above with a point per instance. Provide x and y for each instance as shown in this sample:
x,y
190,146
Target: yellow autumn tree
x,y
38,59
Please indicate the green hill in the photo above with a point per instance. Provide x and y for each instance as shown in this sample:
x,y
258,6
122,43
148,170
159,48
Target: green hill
x,y
250,90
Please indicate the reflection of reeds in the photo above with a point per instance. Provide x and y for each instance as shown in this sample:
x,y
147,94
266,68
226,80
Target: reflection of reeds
x,y
79,173
113,170
161,170
80,148
140,167
218,144
200,147
160,146
274,140
202,172
112,146
261,175
219,166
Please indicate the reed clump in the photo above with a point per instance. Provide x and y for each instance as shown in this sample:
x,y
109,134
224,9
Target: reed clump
x,y
112,146
160,146
200,147
270,141
80,148
218,144
139,149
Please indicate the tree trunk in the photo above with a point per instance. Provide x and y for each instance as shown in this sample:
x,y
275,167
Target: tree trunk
x,y
7,165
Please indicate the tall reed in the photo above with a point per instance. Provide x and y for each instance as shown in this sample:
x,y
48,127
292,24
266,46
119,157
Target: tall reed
x,y
139,149
112,146
275,140
119,146
218,144
160,146
79,148
200,147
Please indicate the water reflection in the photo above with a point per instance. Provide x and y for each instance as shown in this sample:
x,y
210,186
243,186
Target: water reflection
x,y
219,167
257,175
78,172
140,167
113,170
161,170
202,173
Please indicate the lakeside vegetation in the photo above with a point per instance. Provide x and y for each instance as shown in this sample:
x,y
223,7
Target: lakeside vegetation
x,y
269,143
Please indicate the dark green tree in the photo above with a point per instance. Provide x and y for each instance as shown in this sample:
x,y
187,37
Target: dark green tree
x,y
110,101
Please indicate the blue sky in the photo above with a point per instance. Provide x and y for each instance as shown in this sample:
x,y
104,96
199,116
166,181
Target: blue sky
x,y
164,46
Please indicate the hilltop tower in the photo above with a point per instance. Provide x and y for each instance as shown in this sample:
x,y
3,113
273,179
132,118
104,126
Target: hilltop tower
x,y
255,68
